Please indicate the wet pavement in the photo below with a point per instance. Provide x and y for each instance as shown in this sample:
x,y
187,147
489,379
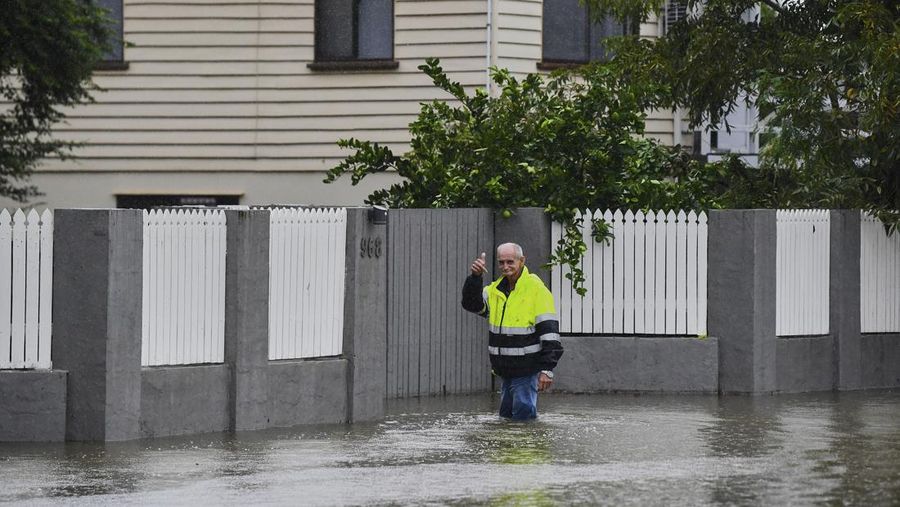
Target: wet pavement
x,y
585,449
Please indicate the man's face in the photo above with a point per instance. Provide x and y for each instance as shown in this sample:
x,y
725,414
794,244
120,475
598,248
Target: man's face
x,y
509,265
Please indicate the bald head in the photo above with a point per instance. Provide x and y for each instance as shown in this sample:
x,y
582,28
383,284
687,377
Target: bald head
x,y
511,261
514,248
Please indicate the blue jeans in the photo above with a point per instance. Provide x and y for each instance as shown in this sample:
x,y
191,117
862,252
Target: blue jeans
x,y
518,397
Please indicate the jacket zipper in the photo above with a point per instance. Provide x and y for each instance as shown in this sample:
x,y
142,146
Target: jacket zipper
x,y
503,312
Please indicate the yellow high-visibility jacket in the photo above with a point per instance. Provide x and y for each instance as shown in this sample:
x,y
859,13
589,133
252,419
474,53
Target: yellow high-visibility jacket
x,y
523,337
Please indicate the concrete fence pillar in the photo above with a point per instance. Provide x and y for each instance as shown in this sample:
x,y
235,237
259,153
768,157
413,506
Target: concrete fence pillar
x,y
247,317
97,290
741,298
530,228
365,314
844,298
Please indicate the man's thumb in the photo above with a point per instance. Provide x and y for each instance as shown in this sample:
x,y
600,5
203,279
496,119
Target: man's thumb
x,y
483,256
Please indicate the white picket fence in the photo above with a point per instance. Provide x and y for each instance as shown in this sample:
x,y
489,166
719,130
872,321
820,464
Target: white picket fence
x,y
26,288
307,258
184,287
649,280
802,272
879,268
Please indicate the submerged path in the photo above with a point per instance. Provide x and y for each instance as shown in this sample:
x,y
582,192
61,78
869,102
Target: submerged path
x,y
589,449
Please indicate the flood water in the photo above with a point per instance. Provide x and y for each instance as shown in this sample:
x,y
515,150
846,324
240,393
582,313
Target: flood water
x,y
585,449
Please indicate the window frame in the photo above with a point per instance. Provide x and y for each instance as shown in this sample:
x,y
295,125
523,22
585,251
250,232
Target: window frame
x,y
111,60
353,62
628,28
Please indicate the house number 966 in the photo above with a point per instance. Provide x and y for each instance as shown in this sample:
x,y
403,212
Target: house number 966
x,y
370,247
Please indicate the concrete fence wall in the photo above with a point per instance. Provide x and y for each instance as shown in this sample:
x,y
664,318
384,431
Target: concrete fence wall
x,y
742,352
99,390
742,294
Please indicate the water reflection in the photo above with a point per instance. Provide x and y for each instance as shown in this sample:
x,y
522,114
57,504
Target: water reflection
x,y
614,449
744,426
85,469
240,460
863,457
513,443
536,498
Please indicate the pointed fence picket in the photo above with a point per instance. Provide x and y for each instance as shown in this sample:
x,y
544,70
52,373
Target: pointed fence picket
x,y
879,268
671,248
307,259
628,273
802,272
183,319
26,255
649,279
618,294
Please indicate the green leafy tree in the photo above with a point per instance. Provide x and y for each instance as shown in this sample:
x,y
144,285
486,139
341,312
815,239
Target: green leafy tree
x,y
824,75
47,52
565,142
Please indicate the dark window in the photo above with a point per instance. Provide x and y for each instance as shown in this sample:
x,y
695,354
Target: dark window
x,y
350,30
714,140
698,142
675,12
113,9
147,201
569,35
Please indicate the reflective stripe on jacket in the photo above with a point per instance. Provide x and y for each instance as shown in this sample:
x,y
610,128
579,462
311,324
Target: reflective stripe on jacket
x,y
523,326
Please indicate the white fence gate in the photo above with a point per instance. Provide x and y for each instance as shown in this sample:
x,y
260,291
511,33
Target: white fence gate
x,y
802,272
26,288
879,268
649,280
307,259
184,287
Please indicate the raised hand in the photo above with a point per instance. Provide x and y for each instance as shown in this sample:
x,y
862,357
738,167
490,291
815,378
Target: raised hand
x,y
479,267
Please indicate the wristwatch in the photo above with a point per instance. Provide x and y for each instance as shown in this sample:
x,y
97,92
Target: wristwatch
x,y
548,373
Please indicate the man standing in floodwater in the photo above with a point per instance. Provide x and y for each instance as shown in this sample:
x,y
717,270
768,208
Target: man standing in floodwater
x,y
523,343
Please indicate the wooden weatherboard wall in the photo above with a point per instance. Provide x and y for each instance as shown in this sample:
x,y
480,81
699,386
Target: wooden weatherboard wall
x,y
517,46
434,346
224,87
